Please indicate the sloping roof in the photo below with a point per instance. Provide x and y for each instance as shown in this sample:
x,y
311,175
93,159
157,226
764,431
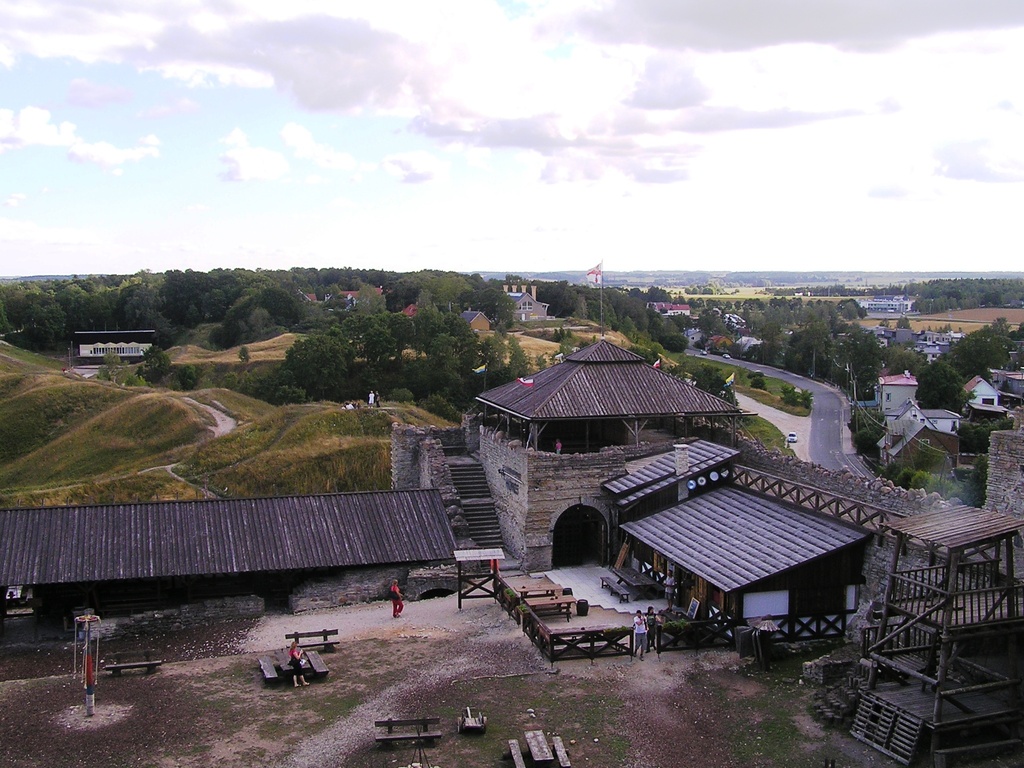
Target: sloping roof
x,y
733,538
958,526
900,380
106,542
603,381
659,472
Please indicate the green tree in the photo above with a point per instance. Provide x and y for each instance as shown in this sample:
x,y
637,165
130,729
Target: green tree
x,y
319,364
976,353
156,364
939,385
243,354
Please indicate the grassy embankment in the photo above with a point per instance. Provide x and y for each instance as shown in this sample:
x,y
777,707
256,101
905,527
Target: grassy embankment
x,y
65,440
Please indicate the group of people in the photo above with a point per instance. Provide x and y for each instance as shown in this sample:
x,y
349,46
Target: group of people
x,y
373,399
645,628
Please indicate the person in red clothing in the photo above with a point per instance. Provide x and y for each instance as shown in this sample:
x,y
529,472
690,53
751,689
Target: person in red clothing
x,y
396,599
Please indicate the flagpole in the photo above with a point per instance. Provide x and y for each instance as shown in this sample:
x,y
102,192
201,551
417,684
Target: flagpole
x,y
601,273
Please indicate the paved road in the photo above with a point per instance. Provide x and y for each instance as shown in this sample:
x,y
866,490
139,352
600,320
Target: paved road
x,y
827,441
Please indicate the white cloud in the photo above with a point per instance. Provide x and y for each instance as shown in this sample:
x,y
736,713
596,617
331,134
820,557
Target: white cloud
x,y
415,167
301,142
14,231
111,158
246,163
32,127
83,93
14,199
179,106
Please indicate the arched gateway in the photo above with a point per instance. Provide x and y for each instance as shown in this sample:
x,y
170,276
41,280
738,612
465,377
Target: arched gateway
x,y
580,537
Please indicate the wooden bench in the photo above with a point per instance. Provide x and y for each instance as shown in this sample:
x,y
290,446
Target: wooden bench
x,y
425,729
517,753
123,660
325,642
623,591
560,753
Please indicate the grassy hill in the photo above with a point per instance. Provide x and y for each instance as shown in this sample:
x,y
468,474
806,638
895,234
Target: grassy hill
x,y
66,440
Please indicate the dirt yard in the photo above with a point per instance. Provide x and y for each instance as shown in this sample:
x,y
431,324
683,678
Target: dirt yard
x,y
209,706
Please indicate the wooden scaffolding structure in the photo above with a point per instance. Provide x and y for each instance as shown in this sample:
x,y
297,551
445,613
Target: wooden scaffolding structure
x,y
944,653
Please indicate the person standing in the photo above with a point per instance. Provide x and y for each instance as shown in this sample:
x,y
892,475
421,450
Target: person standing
x,y
558,445
640,634
370,398
652,627
295,662
670,587
397,604
376,398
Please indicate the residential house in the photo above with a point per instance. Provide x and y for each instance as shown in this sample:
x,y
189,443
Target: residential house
x,y
894,391
1011,387
984,400
912,430
527,307
668,309
477,320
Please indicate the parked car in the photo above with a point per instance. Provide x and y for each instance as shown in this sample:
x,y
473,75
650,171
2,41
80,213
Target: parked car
x,y
727,356
791,437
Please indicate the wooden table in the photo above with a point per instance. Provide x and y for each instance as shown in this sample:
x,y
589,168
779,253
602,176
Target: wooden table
x,y
530,592
275,666
539,749
632,577
552,604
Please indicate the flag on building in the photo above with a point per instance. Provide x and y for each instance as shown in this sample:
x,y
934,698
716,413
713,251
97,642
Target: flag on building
x,y
525,382
657,363
594,276
731,379
481,369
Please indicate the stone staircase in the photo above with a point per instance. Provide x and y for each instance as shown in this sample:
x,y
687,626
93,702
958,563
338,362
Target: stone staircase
x,y
477,504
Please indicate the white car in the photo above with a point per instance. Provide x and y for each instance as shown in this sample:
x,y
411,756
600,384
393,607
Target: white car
x,y
791,437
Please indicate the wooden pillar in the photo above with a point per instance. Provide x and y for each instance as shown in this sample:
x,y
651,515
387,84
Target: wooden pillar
x,y
946,647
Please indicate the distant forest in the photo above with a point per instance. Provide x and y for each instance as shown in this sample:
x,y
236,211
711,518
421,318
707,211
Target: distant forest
x,y
402,333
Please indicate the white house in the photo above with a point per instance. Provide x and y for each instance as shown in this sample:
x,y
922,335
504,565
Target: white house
x,y
894,391
984,399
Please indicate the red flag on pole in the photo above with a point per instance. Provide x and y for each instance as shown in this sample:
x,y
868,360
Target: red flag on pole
x,y
594,276
657,363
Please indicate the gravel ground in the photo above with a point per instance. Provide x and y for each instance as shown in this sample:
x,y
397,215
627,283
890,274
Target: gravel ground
x,y
674,710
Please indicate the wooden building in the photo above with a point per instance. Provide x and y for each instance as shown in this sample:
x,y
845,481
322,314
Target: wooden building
x,y
119,558
742,556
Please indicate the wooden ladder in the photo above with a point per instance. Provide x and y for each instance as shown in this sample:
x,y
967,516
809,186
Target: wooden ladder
x,y
887,729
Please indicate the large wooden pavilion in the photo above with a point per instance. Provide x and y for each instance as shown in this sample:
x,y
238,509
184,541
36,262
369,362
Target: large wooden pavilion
x,y
602,395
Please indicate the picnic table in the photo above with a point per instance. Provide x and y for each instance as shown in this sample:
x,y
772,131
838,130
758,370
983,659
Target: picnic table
x,y
552,604
528,586
639,581
275,667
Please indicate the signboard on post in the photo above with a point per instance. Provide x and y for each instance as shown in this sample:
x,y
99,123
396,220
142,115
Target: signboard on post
x,y
691,611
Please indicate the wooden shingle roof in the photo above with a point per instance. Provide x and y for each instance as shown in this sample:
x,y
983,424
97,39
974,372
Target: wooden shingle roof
x,y
53,545
660,471
603,381
733,538
958,527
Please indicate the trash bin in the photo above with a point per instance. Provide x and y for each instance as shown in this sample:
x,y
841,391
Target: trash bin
x,y
566,590
744,642
582,607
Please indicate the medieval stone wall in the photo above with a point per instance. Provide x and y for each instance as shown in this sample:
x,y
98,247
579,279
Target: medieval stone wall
x,y
1005,490
359,585
507,472
198,614
532,489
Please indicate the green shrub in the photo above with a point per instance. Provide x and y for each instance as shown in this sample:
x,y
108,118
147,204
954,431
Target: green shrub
x,y
401,395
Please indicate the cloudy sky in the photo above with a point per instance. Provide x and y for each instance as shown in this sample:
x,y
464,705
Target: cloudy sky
x,y
511,136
